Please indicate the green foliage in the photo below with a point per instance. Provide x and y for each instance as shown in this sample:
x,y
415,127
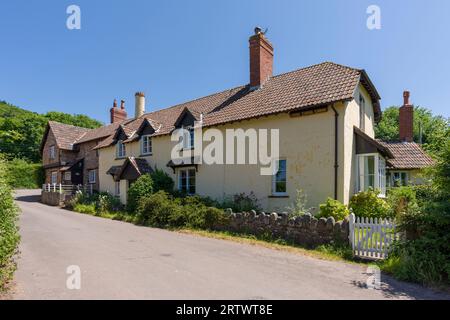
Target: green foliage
x,y
162,181
107,203
242,202
298,208
85,208
163,210
435,129
21,131
424,255
24,175
402,200
142,187
9,235
333,208
369,205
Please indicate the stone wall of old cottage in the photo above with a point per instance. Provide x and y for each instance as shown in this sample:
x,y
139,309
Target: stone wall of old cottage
x,y
304,230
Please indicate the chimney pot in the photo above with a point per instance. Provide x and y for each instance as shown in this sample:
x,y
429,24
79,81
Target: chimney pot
x,y
406,98
122,104
115,103
118,115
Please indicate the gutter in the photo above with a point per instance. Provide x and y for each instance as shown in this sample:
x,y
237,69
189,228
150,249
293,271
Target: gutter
x,y
336,161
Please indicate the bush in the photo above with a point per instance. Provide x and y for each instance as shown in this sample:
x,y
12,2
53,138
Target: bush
x,y
24,175
9,235
107,203
162,181
368,204
85,208
402,200
163,210
242,202
333,208
142,187
159,210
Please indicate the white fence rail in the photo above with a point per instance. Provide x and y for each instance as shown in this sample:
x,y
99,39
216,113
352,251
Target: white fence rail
x,y
371,238
66,189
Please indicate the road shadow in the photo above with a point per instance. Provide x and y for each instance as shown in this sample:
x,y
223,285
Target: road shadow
x,y
29,198
392,288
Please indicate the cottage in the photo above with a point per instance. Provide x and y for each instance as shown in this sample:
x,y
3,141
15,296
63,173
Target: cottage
x,y
324,116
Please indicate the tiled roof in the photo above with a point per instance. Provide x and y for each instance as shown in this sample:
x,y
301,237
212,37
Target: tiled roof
x,y
317,85
66,135
98,133
407,155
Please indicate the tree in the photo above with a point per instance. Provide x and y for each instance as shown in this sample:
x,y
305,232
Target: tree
x,y
433,131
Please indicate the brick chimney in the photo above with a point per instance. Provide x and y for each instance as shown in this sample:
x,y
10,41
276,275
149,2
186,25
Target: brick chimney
x,y
118,114
261,59
139,104
406,119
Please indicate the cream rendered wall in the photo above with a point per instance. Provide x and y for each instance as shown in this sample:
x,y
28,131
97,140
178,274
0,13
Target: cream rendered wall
x,y
350,120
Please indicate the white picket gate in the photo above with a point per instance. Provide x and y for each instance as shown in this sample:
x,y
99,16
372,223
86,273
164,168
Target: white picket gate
x,y
371,238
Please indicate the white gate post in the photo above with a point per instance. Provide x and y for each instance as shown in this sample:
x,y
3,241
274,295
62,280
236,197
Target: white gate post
x,y
351,228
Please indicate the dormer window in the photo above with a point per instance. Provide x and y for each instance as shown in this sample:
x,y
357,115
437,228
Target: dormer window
x,y
121,152
146,145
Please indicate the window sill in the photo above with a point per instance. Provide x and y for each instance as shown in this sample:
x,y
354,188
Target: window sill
x,y
188,149
281,196
146,154
120,158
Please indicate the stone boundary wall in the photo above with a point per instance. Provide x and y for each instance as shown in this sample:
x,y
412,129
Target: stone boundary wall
x,y
304,230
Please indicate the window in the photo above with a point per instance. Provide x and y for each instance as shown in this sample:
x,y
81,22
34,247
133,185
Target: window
x,y
371,173
117,188
146,145
186,180
54,177
362,112
400,179
188,138
52,152
279,179
92,176
121,152
67,176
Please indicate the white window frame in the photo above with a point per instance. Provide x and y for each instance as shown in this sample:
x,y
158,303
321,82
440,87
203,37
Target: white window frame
x,y
54,177
90,180
362,112
400,172
52,152
274,178
67,173
188,137
188,178
149,146
117,188
121,151
379,173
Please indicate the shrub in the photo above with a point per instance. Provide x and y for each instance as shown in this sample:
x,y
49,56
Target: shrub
x,y
24,175
242,202
162,181
142,187
9,235
298,208
369,205
401,200
333,208
107,203
159,210
85,208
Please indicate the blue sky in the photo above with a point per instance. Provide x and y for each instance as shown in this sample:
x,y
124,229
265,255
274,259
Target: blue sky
x,y
176,51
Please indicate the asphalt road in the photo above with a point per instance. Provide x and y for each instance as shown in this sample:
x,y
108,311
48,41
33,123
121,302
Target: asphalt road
x,y
122,261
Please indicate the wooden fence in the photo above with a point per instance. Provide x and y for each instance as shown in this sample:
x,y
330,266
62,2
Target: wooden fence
x,y
371,238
